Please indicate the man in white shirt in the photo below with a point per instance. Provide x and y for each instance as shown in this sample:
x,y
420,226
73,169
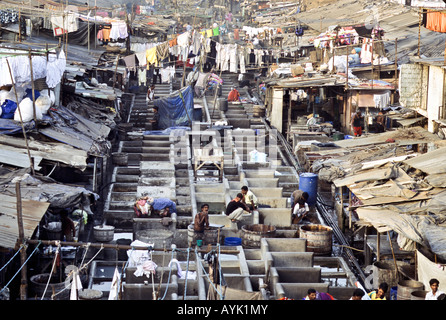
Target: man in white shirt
x,y
249,198
434,293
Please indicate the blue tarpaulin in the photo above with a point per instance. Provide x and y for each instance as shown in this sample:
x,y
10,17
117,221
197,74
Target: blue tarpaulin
x,y
173,108
10,127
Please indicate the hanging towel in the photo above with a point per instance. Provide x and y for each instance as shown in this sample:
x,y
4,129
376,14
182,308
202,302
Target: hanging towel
x,y
209,33
216,31
130,61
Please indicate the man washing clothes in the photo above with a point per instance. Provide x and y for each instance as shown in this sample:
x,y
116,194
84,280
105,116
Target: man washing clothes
x,y
236,207
234,95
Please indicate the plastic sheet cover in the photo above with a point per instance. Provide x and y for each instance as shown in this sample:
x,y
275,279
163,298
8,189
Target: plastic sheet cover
x,y
176,109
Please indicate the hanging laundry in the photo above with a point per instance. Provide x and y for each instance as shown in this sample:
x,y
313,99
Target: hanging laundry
x,y
130,62
167,74
183,39
216,31
151,56
67,22
242,62
141,56
232,50
55,68
142,76
162,51
173,42
381,100
106,33
236,34
366,51
209,33
118,30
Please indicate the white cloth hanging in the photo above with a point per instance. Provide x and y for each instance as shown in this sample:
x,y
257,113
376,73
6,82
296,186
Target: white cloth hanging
x,y
55,68
190,274
233,63
114,288
242,62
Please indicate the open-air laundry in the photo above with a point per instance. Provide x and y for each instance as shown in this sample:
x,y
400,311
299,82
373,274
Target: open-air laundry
x,y
51,69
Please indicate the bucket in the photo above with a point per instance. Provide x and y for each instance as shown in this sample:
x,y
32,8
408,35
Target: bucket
x,y
39,283
120,158
418,295
308,183
222,104
210,236
104,233
90,294
406,287
233,241
156,236
252,234
384,272
319,238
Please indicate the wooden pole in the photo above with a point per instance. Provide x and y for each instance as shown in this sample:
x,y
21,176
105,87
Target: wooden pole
x,y
396,70
32,88
23,272
31,160
419,33
393,255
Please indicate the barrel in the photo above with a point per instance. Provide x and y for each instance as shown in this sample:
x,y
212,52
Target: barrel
x,y
384,272
418,295
233,241
39,283
406,287
252,234
308,183
222,104
90,294
159,238
103,233
210,236
120,158
52,234
319,238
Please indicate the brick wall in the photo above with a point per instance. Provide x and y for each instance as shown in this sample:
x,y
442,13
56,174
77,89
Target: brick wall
x,y
411,85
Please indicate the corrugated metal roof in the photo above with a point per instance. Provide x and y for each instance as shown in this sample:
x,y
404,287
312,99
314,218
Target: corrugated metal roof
x,y
32,213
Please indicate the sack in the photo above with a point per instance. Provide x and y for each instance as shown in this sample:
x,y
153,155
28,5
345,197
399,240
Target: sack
x,y
8,109
26,109
43,103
